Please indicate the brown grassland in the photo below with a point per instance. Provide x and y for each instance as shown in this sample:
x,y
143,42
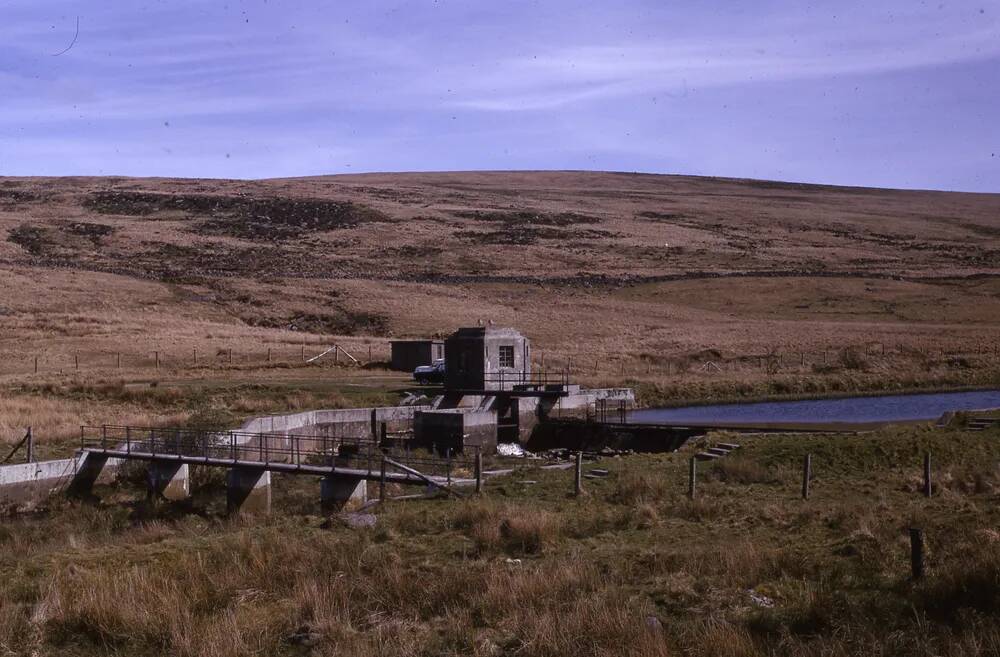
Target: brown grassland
x,y
631,568
173,301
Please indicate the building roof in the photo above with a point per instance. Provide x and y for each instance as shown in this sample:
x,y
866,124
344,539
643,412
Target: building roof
x,y
417,341
486,331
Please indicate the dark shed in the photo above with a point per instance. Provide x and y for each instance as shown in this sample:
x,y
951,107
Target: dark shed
x,y
407,355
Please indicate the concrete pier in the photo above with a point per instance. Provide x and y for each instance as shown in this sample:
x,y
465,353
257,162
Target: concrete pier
x,y
88,469
169,480
248,490
338,493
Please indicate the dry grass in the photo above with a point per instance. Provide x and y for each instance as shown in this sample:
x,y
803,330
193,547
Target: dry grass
x,y
631,568
257,591
496,527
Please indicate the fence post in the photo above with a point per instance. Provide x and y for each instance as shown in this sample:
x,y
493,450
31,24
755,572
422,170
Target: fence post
x,y
692,477
230,355
156,355
76,360
118,360
479,470
369,353
917,552
269,354
927,475
36,364
30,438
194,355
578,475
383,434
806,474
381,482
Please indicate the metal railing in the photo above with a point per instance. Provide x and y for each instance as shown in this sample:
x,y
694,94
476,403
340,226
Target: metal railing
x,y
266,449
615,412
513,378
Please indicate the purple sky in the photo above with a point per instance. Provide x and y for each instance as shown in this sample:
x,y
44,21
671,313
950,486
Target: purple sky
x,y
894,94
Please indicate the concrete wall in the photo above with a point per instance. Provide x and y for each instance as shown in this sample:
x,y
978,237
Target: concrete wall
x,y
585,398
23,484
337,423
456,428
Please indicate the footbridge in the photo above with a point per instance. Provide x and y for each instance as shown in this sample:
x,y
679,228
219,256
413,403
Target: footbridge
x,y
344,465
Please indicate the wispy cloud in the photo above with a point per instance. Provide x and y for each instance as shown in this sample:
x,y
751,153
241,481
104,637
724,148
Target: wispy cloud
x,y
573,74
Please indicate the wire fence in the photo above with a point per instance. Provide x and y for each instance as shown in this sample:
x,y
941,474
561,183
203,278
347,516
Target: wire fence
x,y
705,361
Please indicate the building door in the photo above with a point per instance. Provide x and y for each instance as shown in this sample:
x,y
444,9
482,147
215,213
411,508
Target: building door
x,y
509,422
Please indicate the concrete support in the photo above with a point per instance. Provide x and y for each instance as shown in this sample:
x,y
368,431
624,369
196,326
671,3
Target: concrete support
x,y
248,490
338,492
169,480
88,469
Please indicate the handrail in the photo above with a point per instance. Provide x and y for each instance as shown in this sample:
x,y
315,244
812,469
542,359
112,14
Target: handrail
x,y
264,449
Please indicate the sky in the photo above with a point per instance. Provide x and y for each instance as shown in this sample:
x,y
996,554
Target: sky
x,y
888,94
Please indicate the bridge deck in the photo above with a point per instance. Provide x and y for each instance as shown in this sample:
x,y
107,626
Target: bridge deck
x,y
369,474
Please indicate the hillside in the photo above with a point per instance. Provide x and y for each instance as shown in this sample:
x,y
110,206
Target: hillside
x,y
613,274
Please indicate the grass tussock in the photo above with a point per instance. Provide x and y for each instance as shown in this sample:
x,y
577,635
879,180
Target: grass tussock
x,y
635,488
740,470
495,527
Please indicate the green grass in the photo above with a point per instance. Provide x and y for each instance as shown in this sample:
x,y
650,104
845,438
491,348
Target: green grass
x,y
528,569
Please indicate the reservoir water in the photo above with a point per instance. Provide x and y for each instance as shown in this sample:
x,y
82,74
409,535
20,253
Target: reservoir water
x,y
883,408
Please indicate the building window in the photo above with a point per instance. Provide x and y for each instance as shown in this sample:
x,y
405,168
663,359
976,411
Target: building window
x,y
507,356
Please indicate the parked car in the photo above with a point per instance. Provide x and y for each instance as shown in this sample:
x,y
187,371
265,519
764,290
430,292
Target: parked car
x,y
433,373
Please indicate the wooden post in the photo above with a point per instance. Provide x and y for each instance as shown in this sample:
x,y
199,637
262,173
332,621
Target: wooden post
x,y
917,552
118,360
369,353
230,355
36,364
76,359
30,438
383,434
336,355
578,475
381,482
156,355
692,477
447,453
194,355
269,354
927,475
303,352
806,474
479,470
